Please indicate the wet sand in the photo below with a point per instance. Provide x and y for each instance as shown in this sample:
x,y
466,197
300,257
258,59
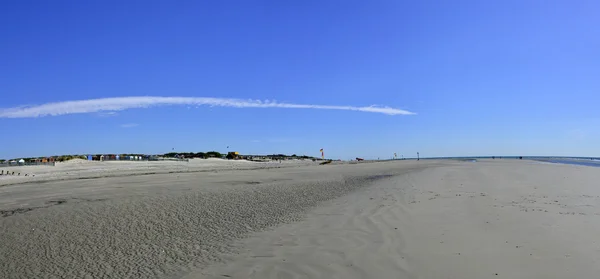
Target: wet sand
x,y
404,219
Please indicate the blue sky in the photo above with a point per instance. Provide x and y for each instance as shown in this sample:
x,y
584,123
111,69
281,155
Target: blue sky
x,y
483,78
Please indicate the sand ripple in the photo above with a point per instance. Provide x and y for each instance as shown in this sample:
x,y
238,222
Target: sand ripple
x,y
150,237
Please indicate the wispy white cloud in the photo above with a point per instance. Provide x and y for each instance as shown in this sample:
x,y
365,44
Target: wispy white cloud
x,y
123,103
129,125
108,113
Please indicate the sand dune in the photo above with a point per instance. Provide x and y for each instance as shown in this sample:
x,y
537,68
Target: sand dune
x,y
427,219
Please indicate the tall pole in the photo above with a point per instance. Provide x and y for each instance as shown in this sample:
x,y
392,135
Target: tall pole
x,y
418,156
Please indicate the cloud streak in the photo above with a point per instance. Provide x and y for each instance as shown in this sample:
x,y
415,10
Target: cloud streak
x,y
123,103
108,114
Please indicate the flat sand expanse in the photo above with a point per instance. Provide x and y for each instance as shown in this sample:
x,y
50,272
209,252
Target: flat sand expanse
x,y
77,169
403,219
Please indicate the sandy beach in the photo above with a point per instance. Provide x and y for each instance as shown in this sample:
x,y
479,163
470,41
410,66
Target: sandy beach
x,y
222,219
79,169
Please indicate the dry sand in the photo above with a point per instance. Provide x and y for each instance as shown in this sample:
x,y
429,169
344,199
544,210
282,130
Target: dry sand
x,y
78,168
408,219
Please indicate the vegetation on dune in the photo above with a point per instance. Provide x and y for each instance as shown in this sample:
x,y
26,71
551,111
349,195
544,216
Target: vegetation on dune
x,y
204,155
282,156
215,154
305,157
64,158
61,158
187,155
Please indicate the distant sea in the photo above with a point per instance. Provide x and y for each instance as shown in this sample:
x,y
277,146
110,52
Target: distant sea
x,y
581,162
